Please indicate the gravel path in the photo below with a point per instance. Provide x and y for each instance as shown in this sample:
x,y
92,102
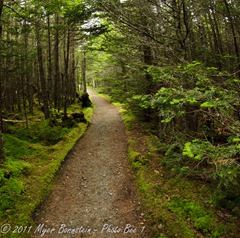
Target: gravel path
x,y
94,194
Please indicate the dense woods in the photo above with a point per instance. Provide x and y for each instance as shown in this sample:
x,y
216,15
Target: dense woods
x,y
174,63
41,98
39,54
40,57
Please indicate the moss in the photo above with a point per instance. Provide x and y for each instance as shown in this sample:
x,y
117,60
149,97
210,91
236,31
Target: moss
x,y
190,210
134,155
175,205
106,96
16,147
32,176
128,118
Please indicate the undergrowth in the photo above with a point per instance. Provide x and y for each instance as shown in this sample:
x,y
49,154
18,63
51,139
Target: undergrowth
x,y
34,155
43,133
177,206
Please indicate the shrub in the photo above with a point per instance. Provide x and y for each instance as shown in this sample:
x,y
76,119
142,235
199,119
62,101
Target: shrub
x,y
198,117
43,132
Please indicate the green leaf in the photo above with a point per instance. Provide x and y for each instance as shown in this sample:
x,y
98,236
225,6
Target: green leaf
x,y
175,101
166,120
187,150
192,101
236,139
198,157
194,64
208,104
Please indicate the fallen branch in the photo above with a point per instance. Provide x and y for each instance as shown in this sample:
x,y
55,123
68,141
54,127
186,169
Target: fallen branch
x,y
14,121
20,121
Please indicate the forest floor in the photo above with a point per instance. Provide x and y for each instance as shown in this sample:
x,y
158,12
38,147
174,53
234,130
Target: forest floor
x,y
94,194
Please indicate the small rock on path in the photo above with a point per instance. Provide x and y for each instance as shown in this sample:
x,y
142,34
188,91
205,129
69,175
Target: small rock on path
x,y
94,194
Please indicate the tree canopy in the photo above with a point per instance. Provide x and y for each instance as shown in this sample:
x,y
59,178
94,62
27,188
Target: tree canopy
x,y
175,63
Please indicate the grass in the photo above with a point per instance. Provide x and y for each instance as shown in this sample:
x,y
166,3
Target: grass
x,y
28,175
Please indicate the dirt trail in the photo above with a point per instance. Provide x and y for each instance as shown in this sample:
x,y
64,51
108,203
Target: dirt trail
x,y
94,194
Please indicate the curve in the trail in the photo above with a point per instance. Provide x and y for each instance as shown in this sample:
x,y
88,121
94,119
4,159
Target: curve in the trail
x,y
94,194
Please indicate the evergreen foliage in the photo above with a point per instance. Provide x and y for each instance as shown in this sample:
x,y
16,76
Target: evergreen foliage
x,y
175,65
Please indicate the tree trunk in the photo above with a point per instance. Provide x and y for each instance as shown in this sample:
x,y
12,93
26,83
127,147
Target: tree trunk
x,y
2,154
66,71
84,66
29,76
42,72
30,93
56,66
50,91
24,101
147,59
230,18
216,36
73,74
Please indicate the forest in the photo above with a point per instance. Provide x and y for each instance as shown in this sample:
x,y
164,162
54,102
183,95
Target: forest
x,y
173,65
